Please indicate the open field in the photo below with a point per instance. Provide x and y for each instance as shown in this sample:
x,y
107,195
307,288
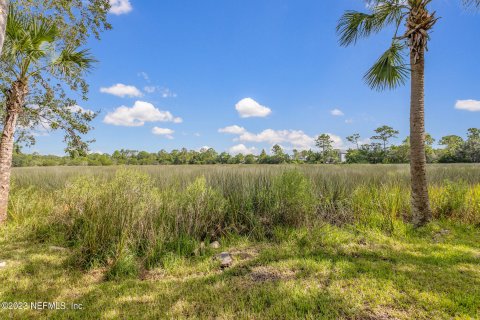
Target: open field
x,y
307,241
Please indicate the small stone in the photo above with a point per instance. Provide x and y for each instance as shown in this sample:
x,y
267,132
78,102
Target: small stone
x,y
3,264
225,259
215,245
55,248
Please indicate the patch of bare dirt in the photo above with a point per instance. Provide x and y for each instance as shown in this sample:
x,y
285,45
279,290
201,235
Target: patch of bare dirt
x,y
270,274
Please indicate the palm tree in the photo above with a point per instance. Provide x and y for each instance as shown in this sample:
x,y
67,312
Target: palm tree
x,y
30,51
412,23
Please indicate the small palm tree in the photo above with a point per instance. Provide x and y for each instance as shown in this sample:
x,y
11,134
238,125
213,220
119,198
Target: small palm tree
x,y
412,21
29,53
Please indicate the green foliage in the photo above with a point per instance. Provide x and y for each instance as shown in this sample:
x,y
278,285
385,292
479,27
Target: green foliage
x,y
37,55
389,71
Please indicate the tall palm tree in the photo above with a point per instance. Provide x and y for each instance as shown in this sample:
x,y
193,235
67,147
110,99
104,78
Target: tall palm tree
x,y
412,23
30,51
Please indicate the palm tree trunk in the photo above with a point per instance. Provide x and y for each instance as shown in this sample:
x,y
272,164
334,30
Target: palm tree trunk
x,y
421,212
3,22
15,100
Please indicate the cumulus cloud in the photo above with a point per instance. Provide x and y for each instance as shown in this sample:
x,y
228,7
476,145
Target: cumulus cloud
x,y
337,113
468,105
119,7
121,90
137,115
232,130
241,148
337,141
296,139
248,108
167,133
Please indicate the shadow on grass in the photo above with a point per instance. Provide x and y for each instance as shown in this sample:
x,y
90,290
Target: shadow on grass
x,y
327,274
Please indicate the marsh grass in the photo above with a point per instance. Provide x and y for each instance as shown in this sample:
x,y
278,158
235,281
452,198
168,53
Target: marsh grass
x,y
128,219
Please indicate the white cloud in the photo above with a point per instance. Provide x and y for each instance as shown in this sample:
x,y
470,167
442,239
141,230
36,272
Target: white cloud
x,y
241,148
337,113
167,93
137,115
150,89
163,132
296,138
250,108
337,141
349,121
233,130
468,105
121,90
119,7
164,92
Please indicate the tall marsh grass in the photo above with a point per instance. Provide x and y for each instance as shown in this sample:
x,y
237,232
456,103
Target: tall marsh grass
x,y
118,216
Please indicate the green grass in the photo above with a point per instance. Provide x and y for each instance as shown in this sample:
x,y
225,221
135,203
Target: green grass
x,y
308,241
327,272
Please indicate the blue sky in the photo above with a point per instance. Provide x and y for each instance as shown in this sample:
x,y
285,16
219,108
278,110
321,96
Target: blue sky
x,y
243,75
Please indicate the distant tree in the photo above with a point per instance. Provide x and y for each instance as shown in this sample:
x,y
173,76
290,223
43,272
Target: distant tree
x,y
384,134
224,157
263,158
325,143
278,156
453,145
354,139
250,159
472,145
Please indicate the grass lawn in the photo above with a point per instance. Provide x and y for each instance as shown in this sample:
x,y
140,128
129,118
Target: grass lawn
x,y
325,273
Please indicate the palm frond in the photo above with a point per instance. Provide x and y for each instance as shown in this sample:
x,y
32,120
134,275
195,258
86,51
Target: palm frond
x,y
72,60
389,71
354,25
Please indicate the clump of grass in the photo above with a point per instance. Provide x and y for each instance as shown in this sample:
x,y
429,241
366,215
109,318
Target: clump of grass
x,y
449,198
104,219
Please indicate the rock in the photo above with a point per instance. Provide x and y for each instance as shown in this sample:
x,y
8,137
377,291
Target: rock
x,y
215,245
54,248
225,259
3,264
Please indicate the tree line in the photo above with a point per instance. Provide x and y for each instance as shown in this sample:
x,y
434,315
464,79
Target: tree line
x,y
379,149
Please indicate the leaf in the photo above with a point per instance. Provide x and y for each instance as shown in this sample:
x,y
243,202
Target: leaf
x,y
389,71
